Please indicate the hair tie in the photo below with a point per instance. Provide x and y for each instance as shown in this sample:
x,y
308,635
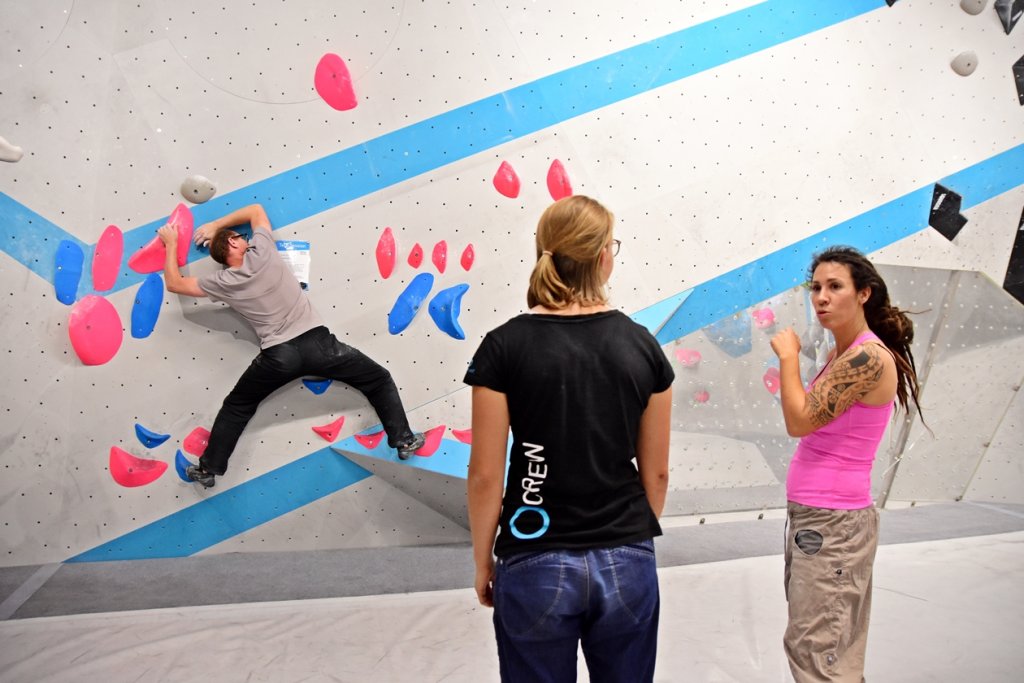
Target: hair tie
x,y
546,252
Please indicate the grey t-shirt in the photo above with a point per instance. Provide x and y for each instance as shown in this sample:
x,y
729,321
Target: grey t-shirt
x,y
265,292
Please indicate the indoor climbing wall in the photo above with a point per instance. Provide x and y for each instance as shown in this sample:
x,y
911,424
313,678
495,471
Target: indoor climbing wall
x,y
403,151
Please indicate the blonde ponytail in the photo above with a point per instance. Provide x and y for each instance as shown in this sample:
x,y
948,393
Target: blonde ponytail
x,y
571,234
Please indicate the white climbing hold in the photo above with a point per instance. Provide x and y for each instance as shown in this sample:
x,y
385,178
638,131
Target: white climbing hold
x,y
9,152
198,189
965,63
973,6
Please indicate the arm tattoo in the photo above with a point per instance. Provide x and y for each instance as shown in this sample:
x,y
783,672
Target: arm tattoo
x,y
853,375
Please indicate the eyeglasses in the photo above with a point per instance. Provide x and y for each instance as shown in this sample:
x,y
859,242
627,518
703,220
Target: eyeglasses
x,y
235,234
615,247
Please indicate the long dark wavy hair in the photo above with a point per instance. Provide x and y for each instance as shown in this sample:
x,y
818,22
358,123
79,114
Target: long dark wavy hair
x,y
891,324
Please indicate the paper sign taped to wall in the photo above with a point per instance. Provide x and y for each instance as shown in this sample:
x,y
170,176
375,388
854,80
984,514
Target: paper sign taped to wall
x,y
296,256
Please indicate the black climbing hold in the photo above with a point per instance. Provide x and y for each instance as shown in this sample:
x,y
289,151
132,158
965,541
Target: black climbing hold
x,y
1018,77
945,214
1014,282
1009,12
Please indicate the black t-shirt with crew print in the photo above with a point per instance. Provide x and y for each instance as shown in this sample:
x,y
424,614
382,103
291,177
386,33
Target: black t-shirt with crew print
x,y
576,387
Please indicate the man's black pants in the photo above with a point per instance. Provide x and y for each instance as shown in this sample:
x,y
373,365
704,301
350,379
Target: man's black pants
x,y
316,353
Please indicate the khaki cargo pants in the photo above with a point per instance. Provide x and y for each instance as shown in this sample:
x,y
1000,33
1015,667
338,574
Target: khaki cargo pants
x,y
829,558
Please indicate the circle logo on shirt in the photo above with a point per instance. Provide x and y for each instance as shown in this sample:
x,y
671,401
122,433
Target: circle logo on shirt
x,y
542,527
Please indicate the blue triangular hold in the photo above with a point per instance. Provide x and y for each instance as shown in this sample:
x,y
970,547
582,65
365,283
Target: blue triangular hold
x,y
317,386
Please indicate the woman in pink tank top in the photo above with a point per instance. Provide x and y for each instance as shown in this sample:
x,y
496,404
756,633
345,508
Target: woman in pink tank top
x,y
832,525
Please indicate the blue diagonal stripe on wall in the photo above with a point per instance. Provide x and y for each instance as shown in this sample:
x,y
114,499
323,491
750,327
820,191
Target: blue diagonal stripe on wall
x,y
425,146
237,510
870,231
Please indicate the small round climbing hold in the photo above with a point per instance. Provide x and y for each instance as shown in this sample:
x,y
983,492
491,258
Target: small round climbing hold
x,y
965,63
9,152
416,255
973,6
198,189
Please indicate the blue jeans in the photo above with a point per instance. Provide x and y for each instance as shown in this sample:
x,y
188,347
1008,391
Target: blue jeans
x,y
547,603
316,353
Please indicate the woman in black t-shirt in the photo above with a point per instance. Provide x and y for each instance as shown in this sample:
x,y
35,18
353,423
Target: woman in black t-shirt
x,y
585,391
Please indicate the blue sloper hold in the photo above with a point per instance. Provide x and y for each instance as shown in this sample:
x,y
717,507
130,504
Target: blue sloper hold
x,y
409,302
68,273
444,309
146,308
317,386
149,439
731,334
180,463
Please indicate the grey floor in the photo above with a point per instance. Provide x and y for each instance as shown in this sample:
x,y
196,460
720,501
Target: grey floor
x,y
949,599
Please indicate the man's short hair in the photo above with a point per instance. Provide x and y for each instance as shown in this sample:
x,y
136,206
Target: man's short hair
x,y
219,246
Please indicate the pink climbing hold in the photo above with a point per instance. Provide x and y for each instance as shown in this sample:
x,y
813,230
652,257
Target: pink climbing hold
x,y
386,253
333,82
506,181
463,435
369,441
330,432
688,358
106,258
440,256
701,396
150,257
558,181
197,441
416,255
763,317
95,330
433,441
128,470
468,256
181,218
771,380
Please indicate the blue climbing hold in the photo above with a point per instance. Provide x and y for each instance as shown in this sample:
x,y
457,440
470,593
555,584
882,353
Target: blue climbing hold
x,y
731,334
409,302
68,273
317,386
146,308
444,309
180,464
149,439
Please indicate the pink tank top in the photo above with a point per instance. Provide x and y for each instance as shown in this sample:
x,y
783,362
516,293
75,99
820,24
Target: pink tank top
x,y
832,465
